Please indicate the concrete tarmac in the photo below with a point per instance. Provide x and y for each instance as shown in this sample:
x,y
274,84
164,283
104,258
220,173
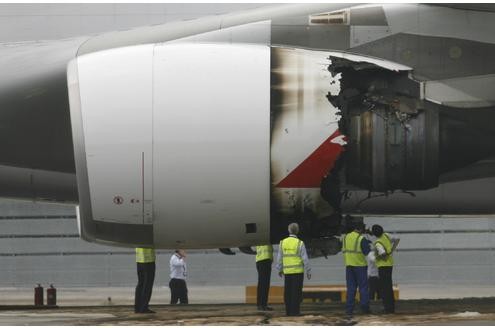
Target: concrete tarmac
x,y
473,311
224,305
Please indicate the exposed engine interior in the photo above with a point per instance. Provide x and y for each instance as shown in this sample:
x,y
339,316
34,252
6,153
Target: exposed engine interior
x,y
392,135
396,142
396,139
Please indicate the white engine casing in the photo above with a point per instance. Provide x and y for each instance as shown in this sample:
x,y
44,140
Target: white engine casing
x,y
162,148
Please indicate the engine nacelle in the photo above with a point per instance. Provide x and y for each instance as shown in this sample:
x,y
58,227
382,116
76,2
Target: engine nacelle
x,y
172,144
219,145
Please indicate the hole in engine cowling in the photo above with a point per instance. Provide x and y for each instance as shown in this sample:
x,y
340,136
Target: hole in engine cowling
x,y
389,148
392,138
395,139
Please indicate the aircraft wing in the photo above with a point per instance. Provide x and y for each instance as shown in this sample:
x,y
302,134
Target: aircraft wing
x,y
490,7
174,31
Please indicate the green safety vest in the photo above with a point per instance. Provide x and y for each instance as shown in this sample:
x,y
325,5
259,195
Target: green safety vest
x,y
291,261
145,255
351,248
386,243
264,252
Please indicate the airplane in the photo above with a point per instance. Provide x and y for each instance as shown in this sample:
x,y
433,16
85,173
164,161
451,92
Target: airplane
x,y
219,131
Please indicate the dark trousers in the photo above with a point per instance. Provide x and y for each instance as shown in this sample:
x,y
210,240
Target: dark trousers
x,y
357,276
264,268
374,287
293,284
146,277
178,291
386,288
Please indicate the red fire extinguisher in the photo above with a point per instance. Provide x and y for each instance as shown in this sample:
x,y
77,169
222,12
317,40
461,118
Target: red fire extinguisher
x,y
38,295
51,296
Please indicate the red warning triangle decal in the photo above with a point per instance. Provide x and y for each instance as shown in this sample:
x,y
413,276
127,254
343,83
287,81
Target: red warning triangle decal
x,y
311,171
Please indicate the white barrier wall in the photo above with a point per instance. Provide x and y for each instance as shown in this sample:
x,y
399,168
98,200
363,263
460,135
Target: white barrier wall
x,y
39,243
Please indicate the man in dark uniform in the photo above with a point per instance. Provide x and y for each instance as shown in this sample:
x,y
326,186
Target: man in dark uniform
x,y
145,260
384,247
264,260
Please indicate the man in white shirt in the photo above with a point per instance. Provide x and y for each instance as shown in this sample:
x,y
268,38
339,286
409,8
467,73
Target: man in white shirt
x,y
373,280
178,273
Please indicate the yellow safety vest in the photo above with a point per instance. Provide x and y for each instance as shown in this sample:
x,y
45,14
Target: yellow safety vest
x,y
145,255
291,260
386,243
264,252
351,248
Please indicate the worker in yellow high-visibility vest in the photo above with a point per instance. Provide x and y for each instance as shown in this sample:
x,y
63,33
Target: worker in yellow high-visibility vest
x,y
355,249
292,262
264,260
385,245
145,260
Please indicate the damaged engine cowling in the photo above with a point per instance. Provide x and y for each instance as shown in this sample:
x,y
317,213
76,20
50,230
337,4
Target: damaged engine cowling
x,y
399,151
398,141
392,138
391,149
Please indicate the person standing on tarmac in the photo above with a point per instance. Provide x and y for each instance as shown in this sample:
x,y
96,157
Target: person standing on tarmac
x,y
264,260
355,249
178,274
145,259
292,262
385,246
373,280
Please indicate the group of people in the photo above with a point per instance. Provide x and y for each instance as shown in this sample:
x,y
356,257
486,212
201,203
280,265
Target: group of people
x,y
368,260
369,263
367,256
145,260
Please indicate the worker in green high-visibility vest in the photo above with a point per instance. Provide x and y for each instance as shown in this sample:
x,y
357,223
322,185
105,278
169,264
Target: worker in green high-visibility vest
x,y
385,245
292,262
145,260
355,248
264,260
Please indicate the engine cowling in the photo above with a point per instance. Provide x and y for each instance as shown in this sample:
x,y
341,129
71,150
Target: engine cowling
x,y
172,144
